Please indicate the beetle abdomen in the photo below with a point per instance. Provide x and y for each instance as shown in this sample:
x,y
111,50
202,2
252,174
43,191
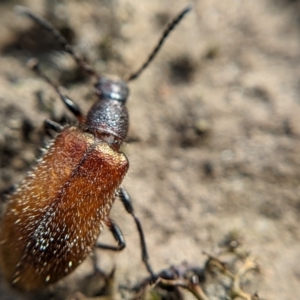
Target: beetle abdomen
x,y
55,216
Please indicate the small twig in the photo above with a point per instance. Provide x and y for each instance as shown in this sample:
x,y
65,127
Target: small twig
x,y
187,284
235,290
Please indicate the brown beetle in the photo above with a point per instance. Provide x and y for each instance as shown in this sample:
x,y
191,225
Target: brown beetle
x,y
53,219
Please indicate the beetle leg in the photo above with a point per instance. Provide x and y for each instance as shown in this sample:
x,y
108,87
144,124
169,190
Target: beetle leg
x,y
118,235
51,125
71,106
126,200
68,102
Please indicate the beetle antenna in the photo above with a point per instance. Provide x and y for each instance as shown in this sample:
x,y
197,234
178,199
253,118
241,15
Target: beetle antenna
x,y
58,36
164,36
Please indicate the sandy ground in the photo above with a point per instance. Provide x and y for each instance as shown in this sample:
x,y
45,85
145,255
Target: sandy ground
x,y
214,126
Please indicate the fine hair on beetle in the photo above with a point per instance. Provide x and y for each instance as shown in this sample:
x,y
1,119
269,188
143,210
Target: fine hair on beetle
x,y
53,219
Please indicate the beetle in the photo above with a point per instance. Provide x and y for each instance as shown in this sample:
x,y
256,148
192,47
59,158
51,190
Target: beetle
x,y
53,219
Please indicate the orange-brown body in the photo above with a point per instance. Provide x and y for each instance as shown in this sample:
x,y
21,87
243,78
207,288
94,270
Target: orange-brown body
x,y
54,218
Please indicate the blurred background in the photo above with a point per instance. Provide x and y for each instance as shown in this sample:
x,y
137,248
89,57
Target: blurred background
x,y
214,140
